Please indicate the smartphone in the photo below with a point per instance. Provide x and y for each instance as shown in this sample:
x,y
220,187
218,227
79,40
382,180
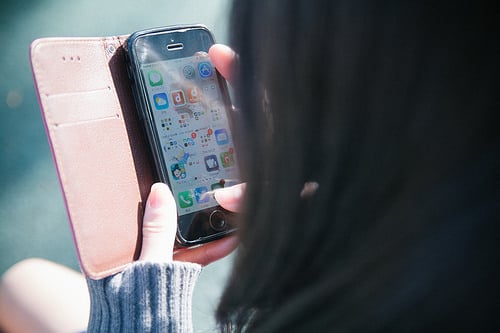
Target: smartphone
x,y
184,105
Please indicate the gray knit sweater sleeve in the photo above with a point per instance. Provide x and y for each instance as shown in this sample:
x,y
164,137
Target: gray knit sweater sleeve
x,y
145,297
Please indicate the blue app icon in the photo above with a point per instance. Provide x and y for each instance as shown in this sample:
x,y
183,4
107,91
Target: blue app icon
x,y
205,69
161,101
221,137
201,194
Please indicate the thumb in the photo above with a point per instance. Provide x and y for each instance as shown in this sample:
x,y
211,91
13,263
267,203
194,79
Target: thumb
x,y
159,225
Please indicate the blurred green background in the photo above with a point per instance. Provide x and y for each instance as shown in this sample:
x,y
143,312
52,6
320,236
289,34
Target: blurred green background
x,y
33,220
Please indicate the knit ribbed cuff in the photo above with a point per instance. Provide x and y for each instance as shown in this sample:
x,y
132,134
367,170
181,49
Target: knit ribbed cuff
x,y
146,297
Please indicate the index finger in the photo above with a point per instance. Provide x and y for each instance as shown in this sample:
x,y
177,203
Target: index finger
x,y
224,59
231,198
207,253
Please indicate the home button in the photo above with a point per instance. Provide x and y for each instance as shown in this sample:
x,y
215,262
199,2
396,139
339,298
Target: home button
x,y
217,220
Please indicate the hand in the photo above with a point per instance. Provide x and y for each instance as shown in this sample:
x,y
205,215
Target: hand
x,y
229,198
160,226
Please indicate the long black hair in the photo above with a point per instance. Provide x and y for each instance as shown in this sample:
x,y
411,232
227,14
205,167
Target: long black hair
x,y
388,112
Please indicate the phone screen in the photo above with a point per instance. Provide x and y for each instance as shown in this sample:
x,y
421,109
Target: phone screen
x,y
192,126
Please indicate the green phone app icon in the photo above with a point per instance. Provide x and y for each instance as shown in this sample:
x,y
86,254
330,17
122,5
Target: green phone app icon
x,y
185,199
155,78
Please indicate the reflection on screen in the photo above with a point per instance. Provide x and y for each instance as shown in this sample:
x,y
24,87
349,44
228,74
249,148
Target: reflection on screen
x,y
193,128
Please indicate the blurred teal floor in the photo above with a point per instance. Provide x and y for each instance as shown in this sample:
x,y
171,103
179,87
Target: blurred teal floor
x,y
33,221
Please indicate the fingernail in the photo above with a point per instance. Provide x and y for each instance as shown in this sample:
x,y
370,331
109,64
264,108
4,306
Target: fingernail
x,y
234,192
229,51
224,48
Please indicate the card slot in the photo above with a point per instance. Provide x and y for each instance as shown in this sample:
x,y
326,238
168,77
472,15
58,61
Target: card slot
x,y
76,92
86,121
82,106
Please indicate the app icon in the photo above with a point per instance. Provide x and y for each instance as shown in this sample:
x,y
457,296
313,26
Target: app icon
x,y
178,171
161,101
171,144
198,114
211,163
178,97
183,120
155,79
205,69
185,199
227,159
201,194
221,137
188,142
210,91
188,72
166,124
217,185
193,95
216,112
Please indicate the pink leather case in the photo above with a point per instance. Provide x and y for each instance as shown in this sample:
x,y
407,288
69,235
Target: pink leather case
x,y
97,145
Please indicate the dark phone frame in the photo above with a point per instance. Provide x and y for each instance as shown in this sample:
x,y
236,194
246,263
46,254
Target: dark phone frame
x,y
197,227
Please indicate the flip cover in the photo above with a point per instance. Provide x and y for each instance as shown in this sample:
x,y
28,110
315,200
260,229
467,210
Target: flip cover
x,y
97,144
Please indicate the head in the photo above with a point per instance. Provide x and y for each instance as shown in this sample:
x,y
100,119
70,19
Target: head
x,y
389,110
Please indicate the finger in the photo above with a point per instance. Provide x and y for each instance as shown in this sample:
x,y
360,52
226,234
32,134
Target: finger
x,y
231,198
209,252
224,59
159,225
